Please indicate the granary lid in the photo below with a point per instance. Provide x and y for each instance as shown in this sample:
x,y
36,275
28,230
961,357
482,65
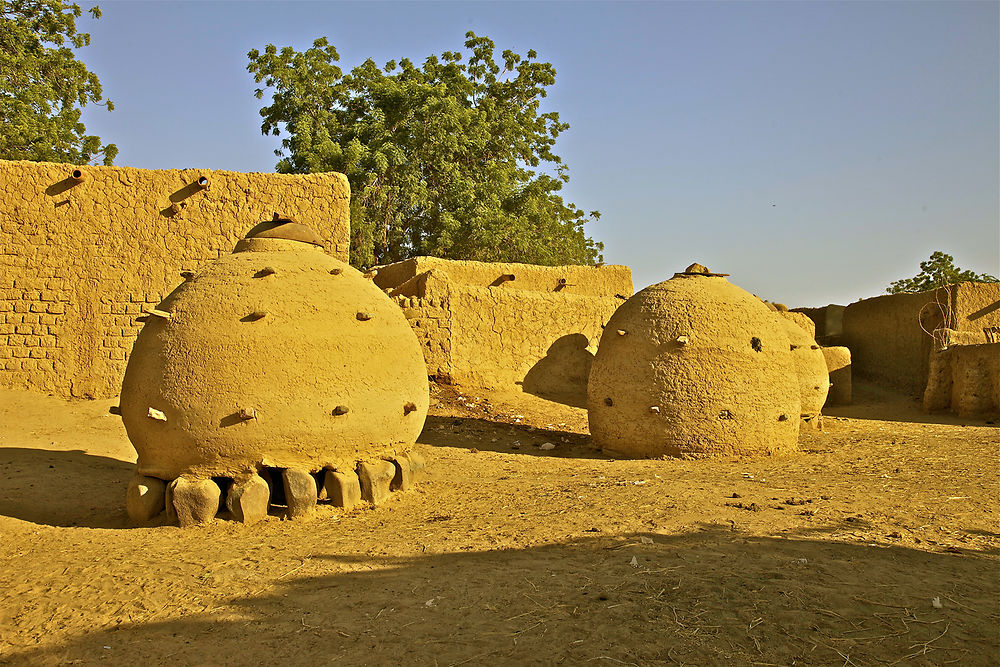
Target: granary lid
x,y
284,227
697,269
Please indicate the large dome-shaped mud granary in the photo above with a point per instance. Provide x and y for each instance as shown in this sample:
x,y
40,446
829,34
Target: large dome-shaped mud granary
x,y
693,366
280,372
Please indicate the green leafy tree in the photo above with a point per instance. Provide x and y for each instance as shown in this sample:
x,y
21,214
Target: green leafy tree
x,y
43,87
443,159
938,271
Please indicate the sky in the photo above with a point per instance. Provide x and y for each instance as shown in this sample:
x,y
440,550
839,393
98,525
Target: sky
x,y
815,151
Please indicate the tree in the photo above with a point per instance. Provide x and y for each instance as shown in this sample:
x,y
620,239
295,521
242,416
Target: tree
x,y
938,271
442,158
43,87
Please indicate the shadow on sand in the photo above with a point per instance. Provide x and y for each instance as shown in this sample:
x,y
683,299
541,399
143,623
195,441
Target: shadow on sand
x,y
64,488
880,403
711,596
491,436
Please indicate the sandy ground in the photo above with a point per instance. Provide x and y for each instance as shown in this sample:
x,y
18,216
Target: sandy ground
x,y
876,544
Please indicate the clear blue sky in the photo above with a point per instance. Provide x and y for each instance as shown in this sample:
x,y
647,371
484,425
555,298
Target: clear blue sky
x,y
815,151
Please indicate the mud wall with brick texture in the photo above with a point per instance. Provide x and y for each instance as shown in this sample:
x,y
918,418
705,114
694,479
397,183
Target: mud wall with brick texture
x,y
888,335
541,343
965,379
533,334
606,280
80,260
430,318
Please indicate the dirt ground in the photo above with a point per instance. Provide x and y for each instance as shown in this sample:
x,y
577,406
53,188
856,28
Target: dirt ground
x,y
876,544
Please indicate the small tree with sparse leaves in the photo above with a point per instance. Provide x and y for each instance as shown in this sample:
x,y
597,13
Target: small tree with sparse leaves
x,y
938,271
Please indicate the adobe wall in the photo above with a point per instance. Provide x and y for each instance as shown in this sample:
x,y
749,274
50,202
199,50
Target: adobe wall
x,y
516,335
838,364
829,320
976,306
430,318
80,260
965,379
542,343
886,334
605,280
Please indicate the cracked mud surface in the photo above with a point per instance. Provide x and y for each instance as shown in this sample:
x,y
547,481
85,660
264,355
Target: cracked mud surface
x,y
878,542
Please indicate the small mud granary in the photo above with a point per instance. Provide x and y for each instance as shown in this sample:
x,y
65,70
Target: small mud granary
x,y
274,375
693,366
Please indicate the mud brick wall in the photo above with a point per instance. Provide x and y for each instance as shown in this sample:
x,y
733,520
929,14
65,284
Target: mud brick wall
x,y
886,334
829,320
79,261
542,343
537,333
965,379
430,319
838,364
581,280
